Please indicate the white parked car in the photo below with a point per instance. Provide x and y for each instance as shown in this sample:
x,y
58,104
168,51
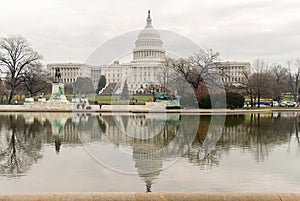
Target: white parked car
x,y
291,104
275,104
283,104
288,104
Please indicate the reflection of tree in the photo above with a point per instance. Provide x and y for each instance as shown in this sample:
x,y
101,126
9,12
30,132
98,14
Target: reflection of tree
x,y
260,133
257,133
295,126
20,145
203,151
267,132
234,120
202,129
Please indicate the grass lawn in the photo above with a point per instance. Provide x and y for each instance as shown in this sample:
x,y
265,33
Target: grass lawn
x,y
100,99
117,100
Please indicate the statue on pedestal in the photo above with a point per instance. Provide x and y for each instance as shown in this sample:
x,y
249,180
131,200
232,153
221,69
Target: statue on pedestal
x,y
57,75
58,94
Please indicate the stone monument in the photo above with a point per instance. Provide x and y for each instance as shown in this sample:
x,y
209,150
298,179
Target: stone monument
x,y
58,94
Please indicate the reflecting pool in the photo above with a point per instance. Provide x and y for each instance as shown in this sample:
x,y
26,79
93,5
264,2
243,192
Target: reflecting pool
x,y
70,152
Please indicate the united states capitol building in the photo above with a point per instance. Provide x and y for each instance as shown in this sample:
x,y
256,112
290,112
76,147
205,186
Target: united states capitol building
x,y
144,69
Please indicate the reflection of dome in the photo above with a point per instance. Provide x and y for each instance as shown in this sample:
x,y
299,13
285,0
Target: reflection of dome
x,y
149,45
148,162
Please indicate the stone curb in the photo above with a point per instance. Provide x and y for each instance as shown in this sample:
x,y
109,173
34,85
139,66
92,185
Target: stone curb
x,y
164,196
20,108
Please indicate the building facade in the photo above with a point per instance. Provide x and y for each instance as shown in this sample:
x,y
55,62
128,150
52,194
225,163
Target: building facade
x,y
145,66
70,71
144,69
148,57
235,72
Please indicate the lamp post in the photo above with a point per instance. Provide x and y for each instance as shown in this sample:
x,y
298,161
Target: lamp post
x,y
152,92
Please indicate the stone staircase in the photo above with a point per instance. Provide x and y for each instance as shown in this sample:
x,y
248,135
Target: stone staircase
x,y
109,89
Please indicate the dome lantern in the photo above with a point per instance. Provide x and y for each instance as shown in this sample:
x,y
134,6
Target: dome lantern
x,y
148,46
149,21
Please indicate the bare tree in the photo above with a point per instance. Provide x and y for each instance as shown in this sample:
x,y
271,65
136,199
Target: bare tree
x,y
165,72
198,71
247,85
172,82
179,84
260,80
16,55
261,84
294,77
280,82
264,82
35,78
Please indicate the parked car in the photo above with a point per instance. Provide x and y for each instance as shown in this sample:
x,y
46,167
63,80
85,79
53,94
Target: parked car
x,y
288,104
275,104
291,104
283,104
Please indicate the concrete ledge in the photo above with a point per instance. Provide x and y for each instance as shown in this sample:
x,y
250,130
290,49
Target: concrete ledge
x,y
134,109
152,196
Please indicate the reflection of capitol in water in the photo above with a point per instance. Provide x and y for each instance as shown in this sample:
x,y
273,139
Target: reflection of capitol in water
x,y
141,126
142,144
134,129
153,141
153,138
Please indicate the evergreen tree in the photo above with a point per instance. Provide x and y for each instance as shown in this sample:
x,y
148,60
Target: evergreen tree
x,y
235,100
83,85
125,92
101,83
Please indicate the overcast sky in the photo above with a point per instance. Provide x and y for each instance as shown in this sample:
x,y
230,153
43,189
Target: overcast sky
x,y
70,30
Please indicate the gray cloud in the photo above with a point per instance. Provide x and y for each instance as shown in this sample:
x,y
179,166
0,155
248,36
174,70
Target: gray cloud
x,y
175,44
68,31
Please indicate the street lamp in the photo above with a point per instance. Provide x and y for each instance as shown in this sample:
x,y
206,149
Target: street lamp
x,y
152,91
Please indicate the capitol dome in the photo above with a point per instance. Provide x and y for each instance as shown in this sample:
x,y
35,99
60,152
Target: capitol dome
x,y
149,45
